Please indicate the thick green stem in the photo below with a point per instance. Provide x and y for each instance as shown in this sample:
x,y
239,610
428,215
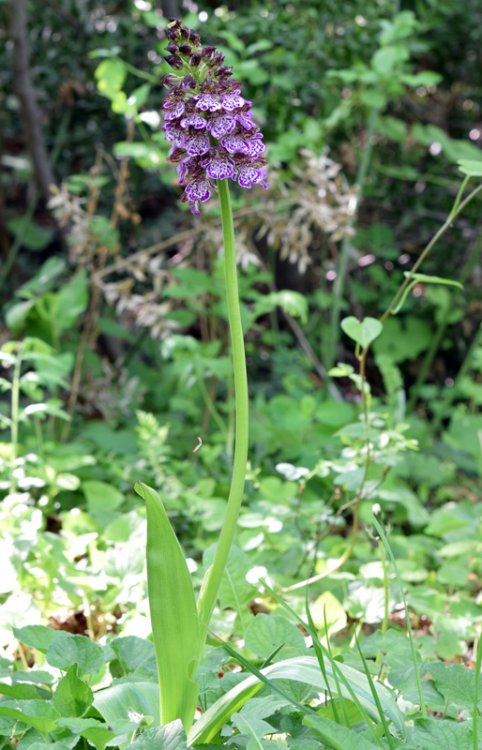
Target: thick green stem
x,y
210,589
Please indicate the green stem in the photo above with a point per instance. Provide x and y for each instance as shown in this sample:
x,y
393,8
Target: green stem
x,y
476,712
15,402
457,209
214,575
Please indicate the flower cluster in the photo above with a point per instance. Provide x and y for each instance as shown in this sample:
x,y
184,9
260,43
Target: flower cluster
x,y
207,121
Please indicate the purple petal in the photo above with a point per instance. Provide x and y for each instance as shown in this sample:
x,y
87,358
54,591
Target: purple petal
x,y
222,125
245,119
232,101
198,144
234,144
198,190
173,109
208,103
249,176
255,146
174,134
195,121
185,167
219,169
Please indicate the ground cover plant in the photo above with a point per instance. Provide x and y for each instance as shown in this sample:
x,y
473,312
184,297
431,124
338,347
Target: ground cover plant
x,y
310,579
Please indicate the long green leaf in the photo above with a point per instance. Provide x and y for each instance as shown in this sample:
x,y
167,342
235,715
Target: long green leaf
x,y
300,669
174,618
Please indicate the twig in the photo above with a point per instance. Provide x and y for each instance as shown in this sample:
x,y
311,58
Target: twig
x,y
31,115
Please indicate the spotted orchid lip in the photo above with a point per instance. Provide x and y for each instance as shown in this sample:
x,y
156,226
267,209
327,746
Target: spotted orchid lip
x,y
208,122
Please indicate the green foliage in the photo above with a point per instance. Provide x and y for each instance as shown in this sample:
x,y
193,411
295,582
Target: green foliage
x,y
114,368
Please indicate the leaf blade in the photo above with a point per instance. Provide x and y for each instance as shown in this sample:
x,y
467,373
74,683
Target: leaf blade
x,y
174,617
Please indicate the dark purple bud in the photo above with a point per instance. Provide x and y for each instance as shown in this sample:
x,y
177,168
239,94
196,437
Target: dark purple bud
x,y
171,48
173,61
188,82
209,53
170,80
172,31
185,49
176,154
218,58
185,33
195,59
194,37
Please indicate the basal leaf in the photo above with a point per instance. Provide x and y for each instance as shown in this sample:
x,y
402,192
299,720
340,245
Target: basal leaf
x,y
338,736
455,682
116,702
39,714
433,734
36,636
169,737
266,633
174,618
72,696
75,650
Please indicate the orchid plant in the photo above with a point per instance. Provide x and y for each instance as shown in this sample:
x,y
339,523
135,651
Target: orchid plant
x,y
214,139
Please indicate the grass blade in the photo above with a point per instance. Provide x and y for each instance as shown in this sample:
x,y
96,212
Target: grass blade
x,y
475,718
418,678
300,669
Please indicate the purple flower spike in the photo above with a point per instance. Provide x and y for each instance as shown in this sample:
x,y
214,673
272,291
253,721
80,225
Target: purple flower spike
x,y
207,121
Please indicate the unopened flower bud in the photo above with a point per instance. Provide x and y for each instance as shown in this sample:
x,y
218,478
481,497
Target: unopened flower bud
x,y
195,59
174,61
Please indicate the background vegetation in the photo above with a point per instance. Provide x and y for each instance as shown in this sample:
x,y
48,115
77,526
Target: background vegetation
x,y
114,361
